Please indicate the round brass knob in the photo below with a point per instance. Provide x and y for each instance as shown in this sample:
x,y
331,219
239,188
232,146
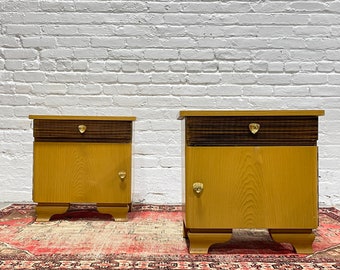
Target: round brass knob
x,y
197,187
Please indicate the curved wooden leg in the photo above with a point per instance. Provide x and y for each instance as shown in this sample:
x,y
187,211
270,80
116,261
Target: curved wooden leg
x,y
45,211
199,242
118,212
301,240
185,231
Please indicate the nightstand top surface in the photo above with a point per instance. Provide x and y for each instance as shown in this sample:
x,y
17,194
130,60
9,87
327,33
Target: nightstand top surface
x,y
73,117
183,114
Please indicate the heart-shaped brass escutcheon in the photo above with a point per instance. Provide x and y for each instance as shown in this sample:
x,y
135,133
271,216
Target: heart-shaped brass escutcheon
x,y
82,128
254,127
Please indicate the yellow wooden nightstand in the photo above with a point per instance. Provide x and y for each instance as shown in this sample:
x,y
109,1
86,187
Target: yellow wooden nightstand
x,y
82,159
250,169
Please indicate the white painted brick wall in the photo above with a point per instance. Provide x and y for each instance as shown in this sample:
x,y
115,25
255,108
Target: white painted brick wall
x,y
152,59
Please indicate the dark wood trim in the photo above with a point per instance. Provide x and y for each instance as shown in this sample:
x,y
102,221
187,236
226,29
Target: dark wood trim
x,y
234,130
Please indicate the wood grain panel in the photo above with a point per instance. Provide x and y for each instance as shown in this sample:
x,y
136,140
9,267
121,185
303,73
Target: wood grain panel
x,y
81,173
96,131
234,130
252,187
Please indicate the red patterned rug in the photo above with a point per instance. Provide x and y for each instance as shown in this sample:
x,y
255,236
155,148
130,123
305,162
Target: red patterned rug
x,y
150,239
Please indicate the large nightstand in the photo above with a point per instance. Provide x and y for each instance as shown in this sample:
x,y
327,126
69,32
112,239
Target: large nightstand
x,y
250,169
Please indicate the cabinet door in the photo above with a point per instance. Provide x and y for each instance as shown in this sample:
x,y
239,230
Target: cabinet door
x,y
81,172
252,187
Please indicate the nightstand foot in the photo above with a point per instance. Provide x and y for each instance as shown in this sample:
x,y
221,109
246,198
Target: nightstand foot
x,y
45,211
185,231
199,242
118,212
301,240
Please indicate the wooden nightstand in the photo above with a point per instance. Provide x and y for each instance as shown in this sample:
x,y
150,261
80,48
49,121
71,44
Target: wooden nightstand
x,y
250,169
82,159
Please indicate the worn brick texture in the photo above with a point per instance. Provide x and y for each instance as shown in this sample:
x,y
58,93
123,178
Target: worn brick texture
x,y
151,59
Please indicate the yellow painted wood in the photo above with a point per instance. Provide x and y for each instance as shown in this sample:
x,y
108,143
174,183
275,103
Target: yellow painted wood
x,y
44,211
302,240
184,114
73,117
251,187
119,213
200,242
69,172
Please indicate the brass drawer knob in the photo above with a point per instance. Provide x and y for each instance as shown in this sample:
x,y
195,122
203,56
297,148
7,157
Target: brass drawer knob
x,y
254,127
122,175
197,187
82,128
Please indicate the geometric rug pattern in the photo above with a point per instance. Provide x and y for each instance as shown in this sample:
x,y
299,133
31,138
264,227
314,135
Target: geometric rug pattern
x,y
152,238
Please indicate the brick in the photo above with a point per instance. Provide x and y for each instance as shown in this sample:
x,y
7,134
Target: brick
x,y
64,77
257,90
56,53
197,90
126,54
242,66
145,66
26,76
14,65
136,78
197,102
232,54
274,79
334,79
20,54
177,66
307,78
308,6
291,91
64,65
100,78
154,90
52,89
167,78
129,66
90,53
161,66
275,67
307,31
164,7
238,78
326,91
204,78
196,54
224,90
161,54
39,42
58,6
109,42
120,89
9,42
80,65
78,42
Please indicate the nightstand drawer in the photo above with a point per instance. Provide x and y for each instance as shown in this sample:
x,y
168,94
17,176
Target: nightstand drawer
x,y
82,131
236,130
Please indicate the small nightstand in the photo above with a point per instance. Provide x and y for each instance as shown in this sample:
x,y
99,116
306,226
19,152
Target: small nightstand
x,y
82,159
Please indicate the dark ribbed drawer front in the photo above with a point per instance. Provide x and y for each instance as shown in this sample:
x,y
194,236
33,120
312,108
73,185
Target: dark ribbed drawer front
x,y
96,131
234,131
